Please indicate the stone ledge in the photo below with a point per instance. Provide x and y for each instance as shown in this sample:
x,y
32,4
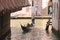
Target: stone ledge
x,y
41,17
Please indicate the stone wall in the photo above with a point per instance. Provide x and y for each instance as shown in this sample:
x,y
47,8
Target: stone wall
x,y
59,15
5,24
55,14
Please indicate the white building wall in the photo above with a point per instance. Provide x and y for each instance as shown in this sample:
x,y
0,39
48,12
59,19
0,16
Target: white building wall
x,y
39,11
55,15
37,8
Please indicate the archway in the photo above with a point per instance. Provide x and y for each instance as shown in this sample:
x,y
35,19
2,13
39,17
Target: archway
x,y
7,7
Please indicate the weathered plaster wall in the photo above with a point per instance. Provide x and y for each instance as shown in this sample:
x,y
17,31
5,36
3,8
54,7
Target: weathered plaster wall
x,y
55,15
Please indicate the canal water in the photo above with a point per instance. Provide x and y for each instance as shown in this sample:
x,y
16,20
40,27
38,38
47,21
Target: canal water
x,y
38,32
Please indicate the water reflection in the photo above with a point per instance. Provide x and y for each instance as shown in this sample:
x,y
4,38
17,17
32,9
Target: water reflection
x,y
38,33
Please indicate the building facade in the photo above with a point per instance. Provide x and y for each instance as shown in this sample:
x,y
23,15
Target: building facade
x,y
7,7
46,6
56,15
36,7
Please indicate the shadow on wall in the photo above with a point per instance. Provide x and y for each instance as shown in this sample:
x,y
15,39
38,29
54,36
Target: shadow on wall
x,y
56,33
7,36
5,26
